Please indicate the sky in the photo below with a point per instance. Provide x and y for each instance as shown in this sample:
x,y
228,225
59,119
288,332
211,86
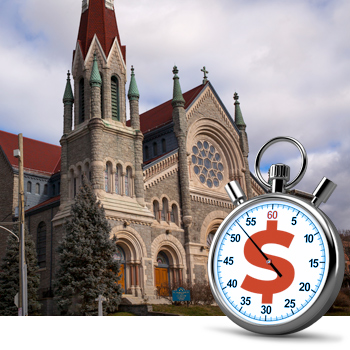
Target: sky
x,y
289,61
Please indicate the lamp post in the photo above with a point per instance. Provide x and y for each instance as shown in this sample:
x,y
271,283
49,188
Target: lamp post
x,y
23,299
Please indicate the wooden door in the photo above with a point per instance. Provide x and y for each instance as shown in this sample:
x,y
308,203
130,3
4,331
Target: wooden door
x,y
122,277
162,282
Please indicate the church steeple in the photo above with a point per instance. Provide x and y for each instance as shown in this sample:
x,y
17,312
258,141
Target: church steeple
x,y
98,17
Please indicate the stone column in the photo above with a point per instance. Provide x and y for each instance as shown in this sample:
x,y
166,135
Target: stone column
x,y
96,129
133,95
243,140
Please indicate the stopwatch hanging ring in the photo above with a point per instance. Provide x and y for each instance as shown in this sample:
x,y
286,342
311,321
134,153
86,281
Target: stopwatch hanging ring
x,y
270,143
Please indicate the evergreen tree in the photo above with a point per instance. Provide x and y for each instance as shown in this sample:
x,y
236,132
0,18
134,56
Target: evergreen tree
x,y
87,267
9,276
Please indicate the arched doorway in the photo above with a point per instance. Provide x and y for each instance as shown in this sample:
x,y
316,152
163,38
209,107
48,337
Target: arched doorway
x,y
161,273
120,256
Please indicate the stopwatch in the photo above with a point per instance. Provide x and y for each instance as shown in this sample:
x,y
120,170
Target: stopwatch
x,y
276,263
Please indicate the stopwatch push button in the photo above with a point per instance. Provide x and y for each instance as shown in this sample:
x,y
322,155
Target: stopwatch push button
x,y
235,192
323,191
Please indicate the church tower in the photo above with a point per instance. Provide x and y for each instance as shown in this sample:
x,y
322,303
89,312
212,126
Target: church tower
x,y
96,141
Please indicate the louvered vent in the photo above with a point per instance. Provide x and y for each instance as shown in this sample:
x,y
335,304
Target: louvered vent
x,y
115,99
81,101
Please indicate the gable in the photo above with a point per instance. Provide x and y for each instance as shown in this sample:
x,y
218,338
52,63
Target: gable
x,y
162,114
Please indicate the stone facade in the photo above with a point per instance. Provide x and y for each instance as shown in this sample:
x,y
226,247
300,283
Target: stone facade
x,y
164,208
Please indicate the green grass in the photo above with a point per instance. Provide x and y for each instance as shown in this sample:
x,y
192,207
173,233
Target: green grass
x,y
191,310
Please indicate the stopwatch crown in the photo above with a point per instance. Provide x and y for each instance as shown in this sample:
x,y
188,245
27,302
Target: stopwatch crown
x,y
279,175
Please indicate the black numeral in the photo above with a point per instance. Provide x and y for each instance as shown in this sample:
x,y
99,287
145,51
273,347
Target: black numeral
x,y
245,301
294,220
313,262
232,283
304,287
228,260
309,238
250,221
290,303
266,309
235,237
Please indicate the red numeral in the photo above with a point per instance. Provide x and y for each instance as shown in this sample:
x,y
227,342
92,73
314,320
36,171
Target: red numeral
x,y
272,214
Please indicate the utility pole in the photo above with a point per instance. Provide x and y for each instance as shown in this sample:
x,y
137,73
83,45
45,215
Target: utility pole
x,y
23,299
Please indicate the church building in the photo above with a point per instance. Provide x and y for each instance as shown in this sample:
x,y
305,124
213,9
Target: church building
x,y
159,175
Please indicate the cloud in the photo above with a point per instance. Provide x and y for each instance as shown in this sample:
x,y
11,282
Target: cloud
x,y
288,61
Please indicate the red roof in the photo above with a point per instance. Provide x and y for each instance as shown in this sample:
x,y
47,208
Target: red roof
x,y
162,114
99,20
43,204
38,156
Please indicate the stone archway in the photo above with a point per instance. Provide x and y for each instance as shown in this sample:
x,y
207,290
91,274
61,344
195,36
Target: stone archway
x,y
169,261
210,224
134,250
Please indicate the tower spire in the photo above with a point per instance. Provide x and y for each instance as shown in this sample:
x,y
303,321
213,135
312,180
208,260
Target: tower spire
x,y
98,17
133,93
178,99
68,97
238,113
95,78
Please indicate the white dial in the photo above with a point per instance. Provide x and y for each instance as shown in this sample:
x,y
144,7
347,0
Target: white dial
x,y
270,262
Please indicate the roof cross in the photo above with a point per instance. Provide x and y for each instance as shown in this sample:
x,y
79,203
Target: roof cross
x,y
205,79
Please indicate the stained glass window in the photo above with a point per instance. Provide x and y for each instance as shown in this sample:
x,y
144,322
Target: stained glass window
x,y
207,164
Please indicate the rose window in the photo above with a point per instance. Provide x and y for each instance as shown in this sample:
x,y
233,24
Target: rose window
x,y
207,164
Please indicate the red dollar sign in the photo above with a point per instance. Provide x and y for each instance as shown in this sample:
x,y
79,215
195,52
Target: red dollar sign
x,y
268,288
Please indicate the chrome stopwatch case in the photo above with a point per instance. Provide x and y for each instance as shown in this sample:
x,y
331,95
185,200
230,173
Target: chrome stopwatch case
x,y
276,263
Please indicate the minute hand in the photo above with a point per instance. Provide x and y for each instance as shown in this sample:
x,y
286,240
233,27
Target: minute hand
x,y
262,253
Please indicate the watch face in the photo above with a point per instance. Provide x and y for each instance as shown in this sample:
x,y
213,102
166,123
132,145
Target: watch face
x,y
269,262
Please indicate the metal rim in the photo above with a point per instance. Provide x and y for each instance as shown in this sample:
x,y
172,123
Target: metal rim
x,y
270,143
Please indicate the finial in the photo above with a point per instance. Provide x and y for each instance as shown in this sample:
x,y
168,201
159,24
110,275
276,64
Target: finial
x,y
175,71
95,79
178,99
133,93
205,78
68,93
238,113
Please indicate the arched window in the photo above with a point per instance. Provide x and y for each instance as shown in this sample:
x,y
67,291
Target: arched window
x,y
41,244
37,188
117,179
81,101
71,184
156,210
146,152
54,189
155,149
115,98
80,177
45,189
87,171
163,146
29,187
173,214
165,210
128,182
108,177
